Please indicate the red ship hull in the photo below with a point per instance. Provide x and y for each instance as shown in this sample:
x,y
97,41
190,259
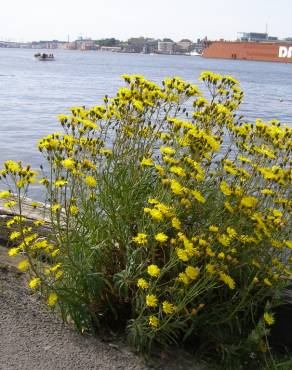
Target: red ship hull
x,y
261,51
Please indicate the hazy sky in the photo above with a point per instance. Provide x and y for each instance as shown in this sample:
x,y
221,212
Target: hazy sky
x,y
56,19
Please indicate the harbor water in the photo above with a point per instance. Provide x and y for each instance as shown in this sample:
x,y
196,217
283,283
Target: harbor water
x,y
33,93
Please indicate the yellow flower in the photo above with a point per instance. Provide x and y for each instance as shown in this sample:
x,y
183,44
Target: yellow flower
x,y
140,238
267,282
160,169
156,214
151,300
55,208
59,183
176,223
153,270
13,252
10,204
269,319
192,272
14,235
267,192
142,283
90,181
167,150
224,240
248,202
106,151
179,171
210,268
52,299
165,210
183,278
182,254
152,201
153,321
161,237
198,196
34,283
177,188
73,210
12,166
4,194
23,265
213,228
168,307
68,163
147,162
225,188
228,206
221,255
227,280
186,202
231,232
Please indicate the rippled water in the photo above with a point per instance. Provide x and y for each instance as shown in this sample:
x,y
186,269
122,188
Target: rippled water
x,y
32,93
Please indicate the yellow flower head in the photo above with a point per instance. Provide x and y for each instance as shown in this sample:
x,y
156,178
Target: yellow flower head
x,y
68,163
167,150
140,238
55,208
176,223
225,188
249,202
52,299
151,300
227,280
153,270
198,196
183,278
34,283
142,283
147,162
90,181
182,254
156,214
192,272
161,237
23,265
13,251
14,235
4,194
73,210
269,319
168,307
153,321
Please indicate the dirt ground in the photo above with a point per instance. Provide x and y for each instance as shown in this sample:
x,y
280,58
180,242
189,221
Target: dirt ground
x,y
34,338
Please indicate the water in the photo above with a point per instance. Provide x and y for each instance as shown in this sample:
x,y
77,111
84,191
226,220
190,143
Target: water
x,y
32,93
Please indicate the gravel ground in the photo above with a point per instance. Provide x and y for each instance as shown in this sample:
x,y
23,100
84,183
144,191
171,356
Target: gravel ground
x,y
33,338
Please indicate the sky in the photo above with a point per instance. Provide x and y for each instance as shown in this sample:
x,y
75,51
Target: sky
x,y
27,20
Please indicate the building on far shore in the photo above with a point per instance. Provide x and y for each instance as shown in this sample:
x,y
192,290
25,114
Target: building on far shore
x,y
256,36
110,48
166,47
183,46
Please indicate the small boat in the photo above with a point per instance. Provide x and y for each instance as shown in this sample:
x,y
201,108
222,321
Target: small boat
x,y
194,53
44,57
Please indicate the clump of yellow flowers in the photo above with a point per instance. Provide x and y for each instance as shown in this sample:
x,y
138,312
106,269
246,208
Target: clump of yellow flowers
x,y
168,212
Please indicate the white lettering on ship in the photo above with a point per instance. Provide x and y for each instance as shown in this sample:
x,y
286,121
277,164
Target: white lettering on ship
x,y
285,52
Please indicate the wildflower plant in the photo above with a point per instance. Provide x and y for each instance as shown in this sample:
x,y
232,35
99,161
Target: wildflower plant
x,y
170,215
